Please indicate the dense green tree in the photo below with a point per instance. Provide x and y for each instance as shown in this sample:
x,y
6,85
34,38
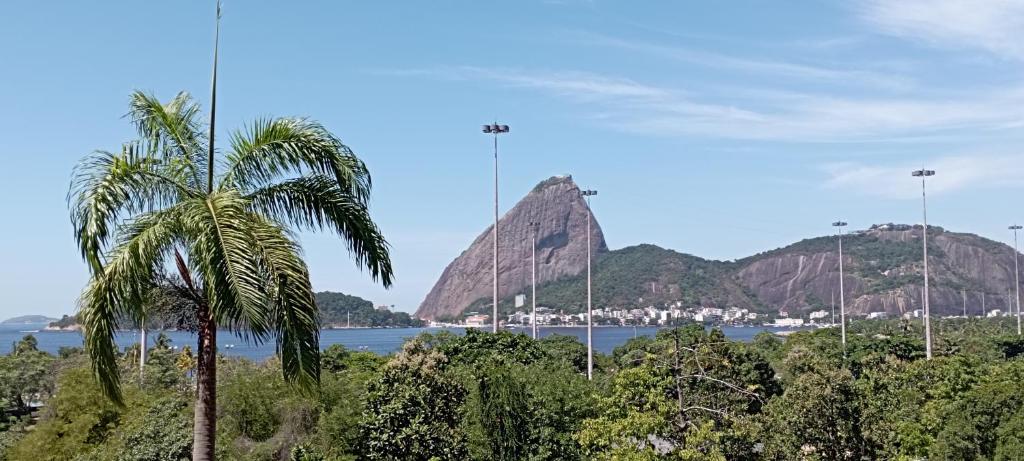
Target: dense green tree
x,y
336,358
499,411
77,421
687,392
818,418
560,399
161,431
25,376
414,409
477,348
981,422
566,349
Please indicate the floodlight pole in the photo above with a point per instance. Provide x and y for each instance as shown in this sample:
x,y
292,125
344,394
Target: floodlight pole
x,y
842,298
922,173
1016,275
534,227
496,130
590,323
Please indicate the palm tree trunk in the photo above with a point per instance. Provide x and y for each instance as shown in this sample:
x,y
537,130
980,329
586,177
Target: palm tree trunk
x,y
204,430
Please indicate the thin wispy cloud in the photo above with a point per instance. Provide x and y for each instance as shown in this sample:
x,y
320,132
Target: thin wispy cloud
x,y
955,173
757,66
575,84
632,106
993,25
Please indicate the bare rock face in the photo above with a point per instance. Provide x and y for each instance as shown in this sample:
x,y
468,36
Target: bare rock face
x,y
883,272
561,250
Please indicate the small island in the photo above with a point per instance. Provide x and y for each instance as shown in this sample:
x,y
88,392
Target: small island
x,y
28,320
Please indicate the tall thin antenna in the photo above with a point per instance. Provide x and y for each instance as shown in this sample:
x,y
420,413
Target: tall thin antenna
x,y
213,104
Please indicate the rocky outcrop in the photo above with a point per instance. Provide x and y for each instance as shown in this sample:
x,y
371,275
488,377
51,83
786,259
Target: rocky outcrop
x,y
561,250
883,272
883,269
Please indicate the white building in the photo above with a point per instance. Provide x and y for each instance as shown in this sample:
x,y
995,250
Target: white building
x,y
789,322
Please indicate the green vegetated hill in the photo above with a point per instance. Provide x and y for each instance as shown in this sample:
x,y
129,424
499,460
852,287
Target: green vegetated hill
x,y
643,275
336,307
882,267
27,320
334,310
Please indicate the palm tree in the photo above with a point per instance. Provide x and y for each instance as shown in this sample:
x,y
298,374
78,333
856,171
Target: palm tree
x,y
227,227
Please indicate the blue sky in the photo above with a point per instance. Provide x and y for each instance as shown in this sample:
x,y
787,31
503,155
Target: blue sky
x,y
713,128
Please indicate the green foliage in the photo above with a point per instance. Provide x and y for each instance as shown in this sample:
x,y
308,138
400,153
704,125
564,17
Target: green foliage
x,y
336,307
559,399
414,409
566,350
622,277
477,348
982,423
65,321
336,358
686,394
500,414
160,431
25,376
227,226
249,398
78,421
818,417
634,421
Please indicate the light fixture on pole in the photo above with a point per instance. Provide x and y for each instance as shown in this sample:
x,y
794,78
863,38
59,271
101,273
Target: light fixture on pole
x,y
922,173
842,297
496,130
1016,274
590,324
534,227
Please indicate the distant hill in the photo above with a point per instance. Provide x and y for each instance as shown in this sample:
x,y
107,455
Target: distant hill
x,y
883,273
28,320
335,310
643,275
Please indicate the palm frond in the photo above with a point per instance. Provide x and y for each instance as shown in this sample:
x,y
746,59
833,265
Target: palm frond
x,y
234,281
275,148
173,130
120,287
317,202
105,187
294,309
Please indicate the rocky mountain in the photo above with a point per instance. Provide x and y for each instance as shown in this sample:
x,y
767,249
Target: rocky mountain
x,y
882,270
561,250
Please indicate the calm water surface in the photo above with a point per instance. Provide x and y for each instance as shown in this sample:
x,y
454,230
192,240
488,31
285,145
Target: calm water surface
x,y
379,340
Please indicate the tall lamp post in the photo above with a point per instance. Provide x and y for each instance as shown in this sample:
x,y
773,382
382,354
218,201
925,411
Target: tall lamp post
x,y
922,173
534,226
842,298
1016,274
496,130
590,324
